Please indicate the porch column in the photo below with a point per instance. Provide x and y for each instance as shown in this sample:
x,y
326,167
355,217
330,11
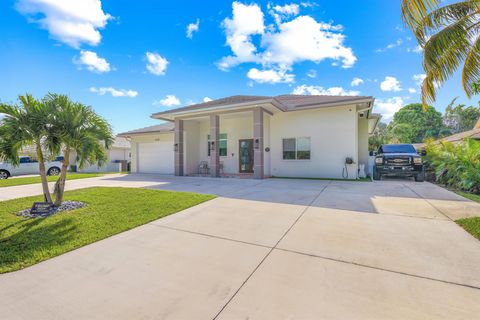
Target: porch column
x,y
258,170
214,153
178,147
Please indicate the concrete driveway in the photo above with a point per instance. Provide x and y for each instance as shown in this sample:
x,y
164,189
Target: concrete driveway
x,y
271,249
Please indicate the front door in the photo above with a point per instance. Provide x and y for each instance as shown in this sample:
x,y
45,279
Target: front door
x,y
246,155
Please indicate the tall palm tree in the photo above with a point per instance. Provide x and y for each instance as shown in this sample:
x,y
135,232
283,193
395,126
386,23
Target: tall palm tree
x,y
23,125
79,130
449,36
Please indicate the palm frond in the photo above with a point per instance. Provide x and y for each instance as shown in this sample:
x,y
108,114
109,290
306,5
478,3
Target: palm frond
x,y
471,68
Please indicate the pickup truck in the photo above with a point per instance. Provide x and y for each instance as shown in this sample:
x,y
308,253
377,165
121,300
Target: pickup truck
x,y
398,160
29,166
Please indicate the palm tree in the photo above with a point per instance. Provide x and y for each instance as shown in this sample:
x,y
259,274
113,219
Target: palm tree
x,y
25,125
76,128
449,36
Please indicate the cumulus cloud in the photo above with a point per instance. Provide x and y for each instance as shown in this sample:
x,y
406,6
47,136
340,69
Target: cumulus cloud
x,y
390,84
70,22
114,92
390,46
356,82
312,73
412,90
270,76
156,64
317,90
207,99
417,49
193,27
92,62
314,41
418,78
388,107
169,101
281,12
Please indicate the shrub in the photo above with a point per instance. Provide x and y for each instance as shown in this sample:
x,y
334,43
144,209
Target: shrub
x,y
456,165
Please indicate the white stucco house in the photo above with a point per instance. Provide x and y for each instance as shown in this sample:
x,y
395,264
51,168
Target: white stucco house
x,y
258,136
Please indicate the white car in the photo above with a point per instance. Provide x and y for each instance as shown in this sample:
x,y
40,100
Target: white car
x,y
29,166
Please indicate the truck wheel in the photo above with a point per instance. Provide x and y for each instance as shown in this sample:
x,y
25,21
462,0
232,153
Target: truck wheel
x,y
4,174
420,177
376,175
53,171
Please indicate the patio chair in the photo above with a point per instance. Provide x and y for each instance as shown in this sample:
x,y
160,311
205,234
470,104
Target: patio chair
x,y
203,168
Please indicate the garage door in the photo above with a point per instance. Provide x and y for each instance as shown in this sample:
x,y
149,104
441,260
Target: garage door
x,y
156,157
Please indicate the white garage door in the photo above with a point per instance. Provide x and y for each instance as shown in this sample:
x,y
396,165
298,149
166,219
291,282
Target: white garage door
x,y
156,157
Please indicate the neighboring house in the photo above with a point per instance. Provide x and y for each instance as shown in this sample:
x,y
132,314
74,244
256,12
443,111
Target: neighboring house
x,y
456,138
258,136
118,156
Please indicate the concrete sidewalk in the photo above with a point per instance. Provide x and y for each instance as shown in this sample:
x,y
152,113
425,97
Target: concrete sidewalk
x,y
271,249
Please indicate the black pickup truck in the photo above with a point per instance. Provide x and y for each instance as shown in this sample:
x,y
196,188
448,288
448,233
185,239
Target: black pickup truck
x,y
398,160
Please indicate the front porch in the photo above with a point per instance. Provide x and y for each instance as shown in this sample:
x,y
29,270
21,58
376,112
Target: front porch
x,y
229,144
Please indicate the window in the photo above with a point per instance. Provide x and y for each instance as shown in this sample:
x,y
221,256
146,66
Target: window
x,y
296,149
222,144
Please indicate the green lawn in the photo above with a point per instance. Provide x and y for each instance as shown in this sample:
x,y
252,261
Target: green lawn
x,y
24,242
471,225
30,180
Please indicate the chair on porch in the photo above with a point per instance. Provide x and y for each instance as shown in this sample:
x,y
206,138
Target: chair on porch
x,y
203,168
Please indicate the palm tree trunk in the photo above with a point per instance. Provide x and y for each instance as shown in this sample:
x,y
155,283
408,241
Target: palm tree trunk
x,y
60,184
43,174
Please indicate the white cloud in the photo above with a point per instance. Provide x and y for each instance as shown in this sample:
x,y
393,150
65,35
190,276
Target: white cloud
x,y
390,46
156,64
207,99
314,41
312,73
417,49
281,12
412,90
356,82
192,27
388,107
169,101
114,92
71,22
317,90
92,62
418,78
270,76
390,84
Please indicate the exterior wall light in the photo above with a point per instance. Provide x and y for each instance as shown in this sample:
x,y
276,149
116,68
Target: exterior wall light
x,y
212,145
257,143
175,147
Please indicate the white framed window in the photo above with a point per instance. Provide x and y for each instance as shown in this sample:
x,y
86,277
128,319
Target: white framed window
x,y
296,148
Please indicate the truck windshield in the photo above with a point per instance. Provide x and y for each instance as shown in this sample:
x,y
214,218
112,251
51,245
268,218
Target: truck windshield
x,y
397,148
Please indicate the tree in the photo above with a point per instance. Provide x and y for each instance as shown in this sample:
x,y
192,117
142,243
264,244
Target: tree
x,y
449,36
460,118
76,128
378,137
26,124
413,125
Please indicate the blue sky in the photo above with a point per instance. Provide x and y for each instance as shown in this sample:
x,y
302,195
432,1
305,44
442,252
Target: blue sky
x,y
131,59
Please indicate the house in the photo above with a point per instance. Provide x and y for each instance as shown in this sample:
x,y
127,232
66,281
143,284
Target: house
x,y
258,136
118,157
457,137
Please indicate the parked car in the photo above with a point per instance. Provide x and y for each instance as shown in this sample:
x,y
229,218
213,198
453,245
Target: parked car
x,y
398,160
29,166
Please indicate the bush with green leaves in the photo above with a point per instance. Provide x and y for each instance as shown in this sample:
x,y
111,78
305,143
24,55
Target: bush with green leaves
x,y
456,165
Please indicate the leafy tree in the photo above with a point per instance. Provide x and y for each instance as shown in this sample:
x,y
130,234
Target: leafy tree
x,y
26,124
378,137
461,118
76,128
413,125
449,34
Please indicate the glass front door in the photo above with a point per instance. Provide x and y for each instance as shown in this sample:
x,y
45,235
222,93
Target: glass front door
x,y
246,155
